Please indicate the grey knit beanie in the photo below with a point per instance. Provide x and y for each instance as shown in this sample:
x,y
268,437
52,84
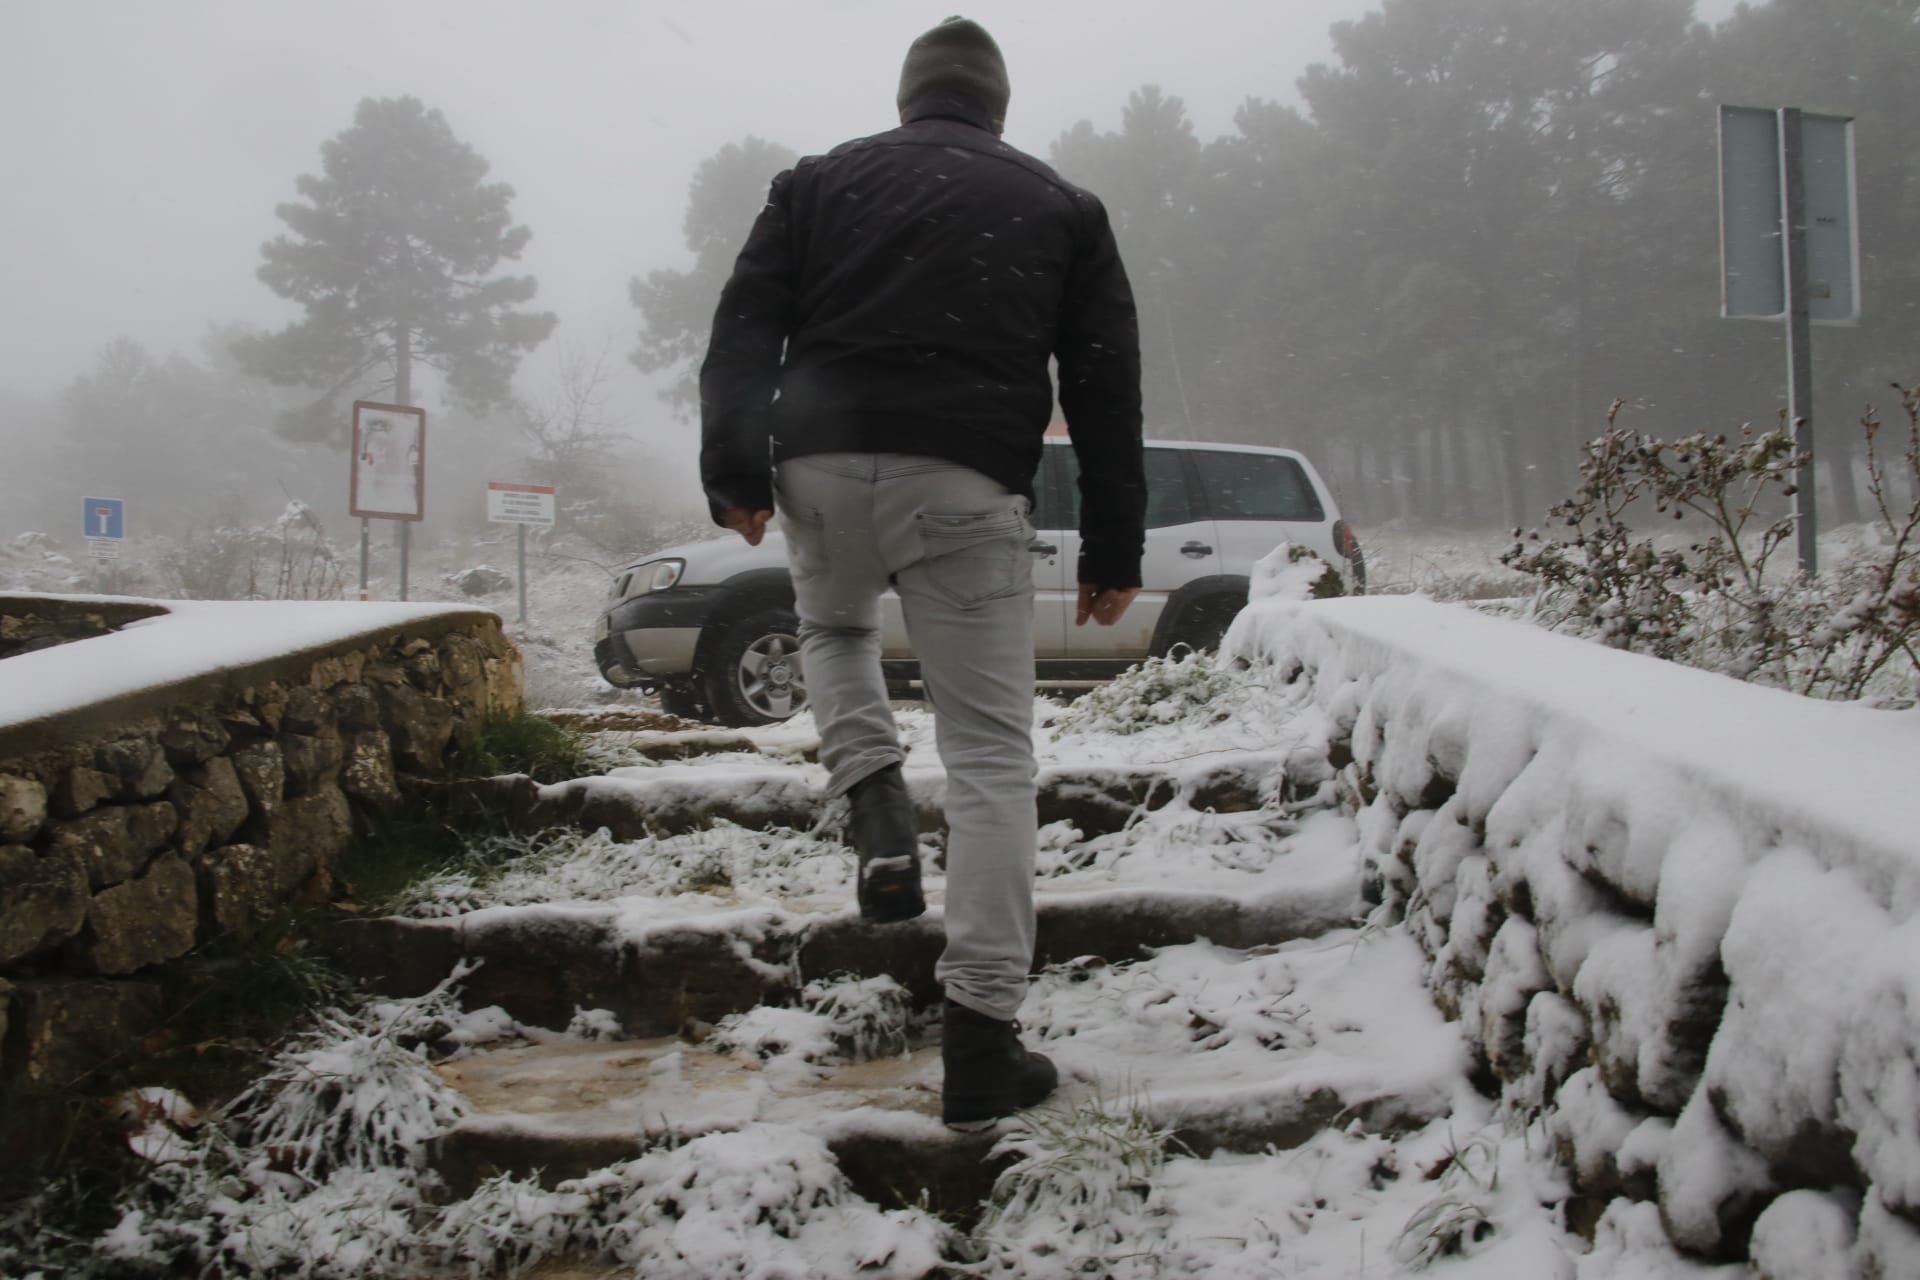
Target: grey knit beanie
x,y
960,59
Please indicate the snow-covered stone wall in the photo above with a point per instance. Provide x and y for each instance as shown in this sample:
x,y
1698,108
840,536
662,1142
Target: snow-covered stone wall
x,y
173,771
1677,917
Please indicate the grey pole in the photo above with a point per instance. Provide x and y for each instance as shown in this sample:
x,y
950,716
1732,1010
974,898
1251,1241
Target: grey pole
x,y
403,393
365,534
522,530
1793,208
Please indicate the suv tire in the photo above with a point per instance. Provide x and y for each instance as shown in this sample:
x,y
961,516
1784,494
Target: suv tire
x,y
752,674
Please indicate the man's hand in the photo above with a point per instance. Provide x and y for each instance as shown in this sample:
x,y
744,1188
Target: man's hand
x,y
1103,604
749,524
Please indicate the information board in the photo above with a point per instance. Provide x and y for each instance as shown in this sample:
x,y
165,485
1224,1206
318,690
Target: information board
x,y
389,461
520,503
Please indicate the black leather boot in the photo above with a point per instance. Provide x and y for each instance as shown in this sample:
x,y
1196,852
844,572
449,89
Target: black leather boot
x,y
886,834
989,1072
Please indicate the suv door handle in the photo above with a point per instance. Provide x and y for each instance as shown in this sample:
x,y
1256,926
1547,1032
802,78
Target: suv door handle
x,y
1040,548
1196,549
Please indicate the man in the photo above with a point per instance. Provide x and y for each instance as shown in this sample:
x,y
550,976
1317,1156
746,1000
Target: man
x,y
879,368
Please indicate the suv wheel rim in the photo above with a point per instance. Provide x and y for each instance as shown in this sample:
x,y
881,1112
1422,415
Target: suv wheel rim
x,y
770,677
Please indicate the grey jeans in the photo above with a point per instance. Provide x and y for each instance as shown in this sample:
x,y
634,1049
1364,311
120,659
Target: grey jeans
x,y
953,544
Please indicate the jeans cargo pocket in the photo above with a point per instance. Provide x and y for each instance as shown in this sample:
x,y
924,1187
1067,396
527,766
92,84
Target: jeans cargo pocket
x,y
975,557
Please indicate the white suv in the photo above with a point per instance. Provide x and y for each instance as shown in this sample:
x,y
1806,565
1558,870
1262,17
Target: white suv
x,y
710,627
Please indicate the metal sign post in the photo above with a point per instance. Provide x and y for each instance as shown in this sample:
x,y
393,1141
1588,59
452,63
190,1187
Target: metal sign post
x,y
1790,251
1793,204
388,480
521,505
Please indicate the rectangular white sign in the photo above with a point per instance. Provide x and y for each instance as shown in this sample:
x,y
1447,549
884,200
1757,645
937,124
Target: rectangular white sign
x,y
389,480
520,503
103,548
1752,256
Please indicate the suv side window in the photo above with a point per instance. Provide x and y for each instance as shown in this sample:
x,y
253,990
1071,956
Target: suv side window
x,y
1168,500
1256,486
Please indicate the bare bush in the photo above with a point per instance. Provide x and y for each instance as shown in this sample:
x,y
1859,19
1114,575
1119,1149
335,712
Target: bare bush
x,y
1721,601
289,559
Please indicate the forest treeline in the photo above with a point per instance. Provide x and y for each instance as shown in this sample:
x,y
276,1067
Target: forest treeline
x,y
1485,222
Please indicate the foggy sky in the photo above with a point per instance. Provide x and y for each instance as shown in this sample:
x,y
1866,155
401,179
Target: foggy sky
x,y
146,144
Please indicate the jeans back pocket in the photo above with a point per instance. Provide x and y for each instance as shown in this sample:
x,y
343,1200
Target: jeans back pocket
x,y
973,557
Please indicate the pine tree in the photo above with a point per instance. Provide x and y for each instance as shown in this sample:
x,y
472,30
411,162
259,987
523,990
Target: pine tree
x,y
392,255
728,191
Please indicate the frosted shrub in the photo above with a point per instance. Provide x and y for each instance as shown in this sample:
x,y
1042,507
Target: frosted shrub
x,y
287,559
314,1170
764,1202
509,1225
1725,601
1160,691
841,1019
869,1016
356,1092
1076,1199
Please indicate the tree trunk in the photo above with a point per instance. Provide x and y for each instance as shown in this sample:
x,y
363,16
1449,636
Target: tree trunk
x,y
1507,447
1426,476
403,367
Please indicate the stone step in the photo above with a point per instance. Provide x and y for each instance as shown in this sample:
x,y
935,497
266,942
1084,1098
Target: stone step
x,y
560,1111
658,735
675,798
661,977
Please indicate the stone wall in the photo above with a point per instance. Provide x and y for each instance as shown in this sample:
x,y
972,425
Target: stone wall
x,y
133,830
1673,915
28,623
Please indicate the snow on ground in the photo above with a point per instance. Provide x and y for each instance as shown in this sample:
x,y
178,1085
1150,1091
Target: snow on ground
x,y
1098,1186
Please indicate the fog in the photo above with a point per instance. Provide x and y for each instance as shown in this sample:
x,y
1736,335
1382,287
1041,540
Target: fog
x,y
150,143
1336,271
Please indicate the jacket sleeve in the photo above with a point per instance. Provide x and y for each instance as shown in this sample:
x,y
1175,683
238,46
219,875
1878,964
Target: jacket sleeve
x,y
742,369
1098,351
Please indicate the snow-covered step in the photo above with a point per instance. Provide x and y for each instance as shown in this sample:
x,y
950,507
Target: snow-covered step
x,y
660,968
710,777
1228,1050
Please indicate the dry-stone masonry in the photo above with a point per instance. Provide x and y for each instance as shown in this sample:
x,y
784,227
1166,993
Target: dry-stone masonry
x,y
1676,916
135,828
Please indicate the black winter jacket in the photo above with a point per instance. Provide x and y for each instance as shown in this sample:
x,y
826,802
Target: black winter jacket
x,y
903,294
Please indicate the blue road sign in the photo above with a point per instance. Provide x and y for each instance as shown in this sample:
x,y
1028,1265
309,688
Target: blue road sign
x,y
104,517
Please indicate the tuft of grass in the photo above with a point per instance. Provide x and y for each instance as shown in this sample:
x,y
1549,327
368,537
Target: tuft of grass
x,y
523,742
1084,1174
226,1008
398,850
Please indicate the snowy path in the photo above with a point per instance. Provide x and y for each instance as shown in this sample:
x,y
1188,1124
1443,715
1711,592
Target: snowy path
x,y
1289,1109
1290,1105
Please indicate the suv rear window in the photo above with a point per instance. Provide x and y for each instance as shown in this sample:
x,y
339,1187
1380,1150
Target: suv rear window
x,y
1256,486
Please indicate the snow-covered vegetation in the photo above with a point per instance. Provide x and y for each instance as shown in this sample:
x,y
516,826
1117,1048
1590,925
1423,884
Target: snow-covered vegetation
x,y
1721,597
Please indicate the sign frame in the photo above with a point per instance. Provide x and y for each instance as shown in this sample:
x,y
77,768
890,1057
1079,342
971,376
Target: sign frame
x,y
1753,270
386,483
